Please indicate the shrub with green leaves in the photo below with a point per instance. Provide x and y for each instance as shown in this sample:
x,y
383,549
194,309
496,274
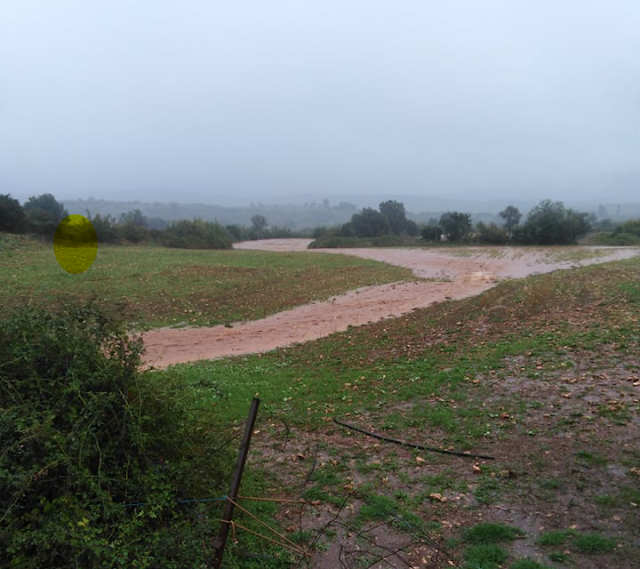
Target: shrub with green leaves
x,y
82,435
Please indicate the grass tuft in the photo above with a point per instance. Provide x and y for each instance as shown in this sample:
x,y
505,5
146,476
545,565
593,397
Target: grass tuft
x,y
488,533
484,557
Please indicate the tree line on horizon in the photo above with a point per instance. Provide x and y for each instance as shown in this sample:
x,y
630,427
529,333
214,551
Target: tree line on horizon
x,y
41,215
548,223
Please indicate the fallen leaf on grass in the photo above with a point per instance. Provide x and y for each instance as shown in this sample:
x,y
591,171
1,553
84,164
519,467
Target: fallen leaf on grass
x,y
437,497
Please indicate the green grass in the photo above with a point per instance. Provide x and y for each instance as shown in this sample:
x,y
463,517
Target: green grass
x,y
485,557
591,458
370,370
487,533
377,508
528,564
160,286
555,538
429,358
559,556
593,543
587,543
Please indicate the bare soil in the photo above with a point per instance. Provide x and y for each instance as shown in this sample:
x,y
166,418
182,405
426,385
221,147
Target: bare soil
x,y
440,275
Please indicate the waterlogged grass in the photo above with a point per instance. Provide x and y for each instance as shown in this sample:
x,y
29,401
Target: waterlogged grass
x,y
434,377
156,286
573,254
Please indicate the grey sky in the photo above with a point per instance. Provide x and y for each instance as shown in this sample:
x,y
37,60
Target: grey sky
x,y
226,101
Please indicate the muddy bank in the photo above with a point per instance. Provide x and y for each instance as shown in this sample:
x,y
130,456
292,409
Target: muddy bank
x,y
460,273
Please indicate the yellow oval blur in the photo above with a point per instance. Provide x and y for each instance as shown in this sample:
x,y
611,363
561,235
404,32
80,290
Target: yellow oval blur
x,y
75,244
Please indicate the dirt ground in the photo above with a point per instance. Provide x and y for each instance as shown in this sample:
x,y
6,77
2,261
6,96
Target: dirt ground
x,y
451,273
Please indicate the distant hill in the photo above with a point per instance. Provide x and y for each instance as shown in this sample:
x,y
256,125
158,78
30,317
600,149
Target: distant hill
x,y
298,216
292,216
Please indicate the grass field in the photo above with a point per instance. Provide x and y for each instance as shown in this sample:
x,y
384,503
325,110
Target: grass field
x,y
543,374
156,286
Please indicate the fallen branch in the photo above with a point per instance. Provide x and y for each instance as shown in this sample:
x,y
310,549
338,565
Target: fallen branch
x,y
413,445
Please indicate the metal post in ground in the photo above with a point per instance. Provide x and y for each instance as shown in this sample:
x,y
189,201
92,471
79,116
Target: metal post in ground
x,y
227,515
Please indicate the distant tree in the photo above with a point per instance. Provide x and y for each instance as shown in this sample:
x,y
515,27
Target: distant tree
x,y
132,226
237,233
346,206
602,212
431,233
369,223
412,228
134,217
605,225
259,222
12,218
551,223
196,234
105,228
395,215
511,216
455,225
492,234
43,214
157,223
632,226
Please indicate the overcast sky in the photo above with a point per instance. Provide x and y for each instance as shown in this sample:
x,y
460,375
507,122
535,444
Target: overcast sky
x,y
204,100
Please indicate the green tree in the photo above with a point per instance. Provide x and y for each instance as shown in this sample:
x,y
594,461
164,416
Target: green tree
x,y
511,216
12,218
395,215
105,228
369,223
455,225
134,217
492,234
132,226
44,213
551,223
431,233
258,222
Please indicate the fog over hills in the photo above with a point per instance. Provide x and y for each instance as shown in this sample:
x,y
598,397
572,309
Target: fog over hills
x,y
442,105
302,212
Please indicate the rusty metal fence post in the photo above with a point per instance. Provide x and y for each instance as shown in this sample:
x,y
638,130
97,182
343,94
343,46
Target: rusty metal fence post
x,y
227,515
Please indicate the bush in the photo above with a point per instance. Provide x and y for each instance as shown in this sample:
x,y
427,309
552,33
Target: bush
x,y
615,239
431,233
43,214
83,434
455,225
551,223
196,234
631,226
105,227
12,218
492,234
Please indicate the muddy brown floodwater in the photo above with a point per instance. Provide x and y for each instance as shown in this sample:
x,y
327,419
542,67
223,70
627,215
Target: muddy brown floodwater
x,y
455,274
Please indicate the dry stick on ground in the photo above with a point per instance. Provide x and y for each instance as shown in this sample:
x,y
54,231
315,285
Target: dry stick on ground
x,y
313,466
413,445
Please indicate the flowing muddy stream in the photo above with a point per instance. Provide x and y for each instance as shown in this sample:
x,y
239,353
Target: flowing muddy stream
x,y
458,273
